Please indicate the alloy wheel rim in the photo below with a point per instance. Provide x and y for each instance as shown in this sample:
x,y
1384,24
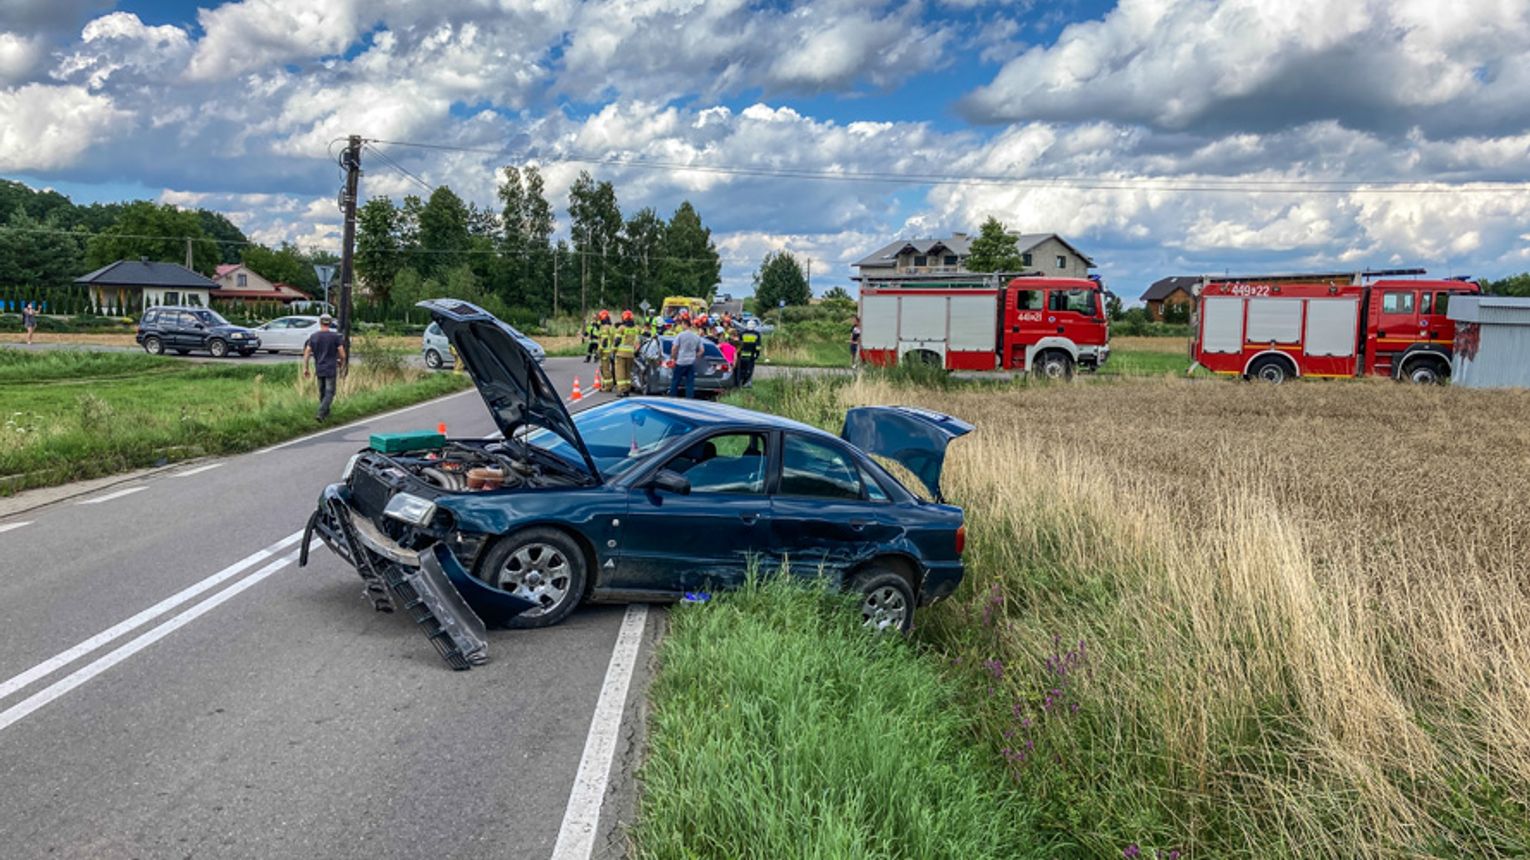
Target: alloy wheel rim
x,y
884,608
537,572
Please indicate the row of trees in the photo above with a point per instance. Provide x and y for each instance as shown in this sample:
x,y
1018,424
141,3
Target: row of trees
x,y
47,240
507,256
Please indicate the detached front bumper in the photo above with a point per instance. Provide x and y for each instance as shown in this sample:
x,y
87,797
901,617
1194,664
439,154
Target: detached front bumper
x,y
430,584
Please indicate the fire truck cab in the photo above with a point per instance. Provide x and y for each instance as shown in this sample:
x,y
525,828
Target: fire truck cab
x,y
1272,328
1027,322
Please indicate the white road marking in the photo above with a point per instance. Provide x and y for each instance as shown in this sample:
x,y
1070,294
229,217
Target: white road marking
x,y
109,496
21,710
13,526
64,658
329,430
197,471
576,838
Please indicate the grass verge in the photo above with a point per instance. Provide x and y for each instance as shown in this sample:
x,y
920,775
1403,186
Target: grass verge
x,y
67,415
1212,618
781,728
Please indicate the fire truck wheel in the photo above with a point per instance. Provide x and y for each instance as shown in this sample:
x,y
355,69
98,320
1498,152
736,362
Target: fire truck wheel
x,y
1427,372
1272,370
1055,365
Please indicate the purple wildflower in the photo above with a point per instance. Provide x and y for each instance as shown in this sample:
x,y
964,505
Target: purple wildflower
x,y
1131,851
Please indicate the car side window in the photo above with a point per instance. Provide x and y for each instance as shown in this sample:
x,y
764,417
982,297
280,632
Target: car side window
x,y
302,323
726,463
874,491
150,318
1076,301
1029,300
185,320
817,470
1397,303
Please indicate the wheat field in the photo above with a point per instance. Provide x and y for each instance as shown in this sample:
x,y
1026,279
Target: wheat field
x,y
1234,620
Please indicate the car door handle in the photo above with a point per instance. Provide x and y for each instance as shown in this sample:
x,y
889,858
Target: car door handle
x,y
1059,329
858,525
749,519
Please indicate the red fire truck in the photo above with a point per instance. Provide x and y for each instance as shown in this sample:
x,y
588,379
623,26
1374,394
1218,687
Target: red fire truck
x,y
982,322
1344,324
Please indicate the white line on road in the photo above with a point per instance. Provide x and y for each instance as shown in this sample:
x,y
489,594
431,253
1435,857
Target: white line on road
x,y
13,526
64,658
197,471
109,496
576,838
329,430
21,710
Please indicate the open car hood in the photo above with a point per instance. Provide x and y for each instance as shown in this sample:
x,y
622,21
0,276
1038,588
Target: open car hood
x,y
513,385
914,438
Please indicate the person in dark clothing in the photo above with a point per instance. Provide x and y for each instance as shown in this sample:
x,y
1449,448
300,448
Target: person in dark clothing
x,y
748,354
326,349
29,321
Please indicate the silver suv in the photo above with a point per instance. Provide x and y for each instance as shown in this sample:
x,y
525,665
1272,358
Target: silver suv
x,y
438,350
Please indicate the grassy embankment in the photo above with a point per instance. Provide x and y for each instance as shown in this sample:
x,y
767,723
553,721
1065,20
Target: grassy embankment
x,y
1231,620
67,415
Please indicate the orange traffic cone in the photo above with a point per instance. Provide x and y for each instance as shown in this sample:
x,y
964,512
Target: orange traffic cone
x,y
576,395
441,428
599,386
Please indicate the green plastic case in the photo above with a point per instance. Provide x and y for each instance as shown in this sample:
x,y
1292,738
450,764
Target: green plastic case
x,y
399,443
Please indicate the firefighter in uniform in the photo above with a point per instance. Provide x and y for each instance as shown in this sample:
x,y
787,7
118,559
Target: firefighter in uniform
x,y
607,340
653,326
748,353
625,347
592,340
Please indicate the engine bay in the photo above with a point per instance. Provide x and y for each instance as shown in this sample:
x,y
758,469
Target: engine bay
x,y
461,466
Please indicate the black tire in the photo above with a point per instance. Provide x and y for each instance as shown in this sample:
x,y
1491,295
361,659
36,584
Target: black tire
x,y
1054,364
433,359
887,598
1427,371
217,348
153,345
1270,369
556,562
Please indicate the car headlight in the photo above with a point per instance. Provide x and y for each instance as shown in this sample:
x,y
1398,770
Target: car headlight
x,y
410,509
350,466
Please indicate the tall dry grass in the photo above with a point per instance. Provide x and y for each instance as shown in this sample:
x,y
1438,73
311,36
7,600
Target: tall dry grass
x,y
1233,620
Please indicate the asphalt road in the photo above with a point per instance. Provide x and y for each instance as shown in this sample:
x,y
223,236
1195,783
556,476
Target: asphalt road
x,y
273,714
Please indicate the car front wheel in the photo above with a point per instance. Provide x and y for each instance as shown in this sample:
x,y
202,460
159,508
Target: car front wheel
x,y
887,599
217,348
542,565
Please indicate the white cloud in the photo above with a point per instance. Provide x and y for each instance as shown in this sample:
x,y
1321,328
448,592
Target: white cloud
x,y
19,55
44,127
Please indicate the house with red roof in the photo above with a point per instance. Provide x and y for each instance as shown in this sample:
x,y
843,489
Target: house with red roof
x,y
238,282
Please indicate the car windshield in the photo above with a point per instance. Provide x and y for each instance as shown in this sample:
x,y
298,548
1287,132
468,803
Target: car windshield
x,y
210,317
619,436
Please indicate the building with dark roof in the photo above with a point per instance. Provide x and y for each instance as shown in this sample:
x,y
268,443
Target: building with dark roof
x,y
130,285
1046,253
1170,292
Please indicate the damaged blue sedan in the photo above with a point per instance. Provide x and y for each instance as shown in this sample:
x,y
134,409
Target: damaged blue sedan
x,y
640,499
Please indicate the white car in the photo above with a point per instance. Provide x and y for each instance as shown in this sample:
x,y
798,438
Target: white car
x,y
287,334
438,352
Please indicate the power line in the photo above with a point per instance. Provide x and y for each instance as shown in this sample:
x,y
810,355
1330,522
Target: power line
x,y
1082,183
429,189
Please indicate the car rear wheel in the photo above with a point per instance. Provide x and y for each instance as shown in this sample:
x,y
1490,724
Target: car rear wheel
x,y
432,359
153,345
217,348
887,599
1272,370
542,565
1428,372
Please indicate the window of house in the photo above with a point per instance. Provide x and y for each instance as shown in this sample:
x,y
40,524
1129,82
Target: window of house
x,y
1074,301
242,279
731,463
1029,300
1397,303
816,470
921,260
172,297
1025,259
950,259
1062,261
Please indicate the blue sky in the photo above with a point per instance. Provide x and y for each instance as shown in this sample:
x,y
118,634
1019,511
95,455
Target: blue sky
x,y
1158,126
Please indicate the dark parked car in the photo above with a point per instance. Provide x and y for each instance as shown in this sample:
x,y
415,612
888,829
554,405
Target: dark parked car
x,y
642,499
714,376
187,329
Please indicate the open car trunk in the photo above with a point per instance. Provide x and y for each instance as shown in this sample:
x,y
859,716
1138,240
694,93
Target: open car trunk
x,y
912,437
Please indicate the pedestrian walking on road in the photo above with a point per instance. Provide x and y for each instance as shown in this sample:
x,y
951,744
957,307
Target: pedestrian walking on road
x,y
855,340
326,349
684,351
29,321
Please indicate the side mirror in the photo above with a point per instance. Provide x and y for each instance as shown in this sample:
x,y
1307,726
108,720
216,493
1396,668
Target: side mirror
x,y
670,481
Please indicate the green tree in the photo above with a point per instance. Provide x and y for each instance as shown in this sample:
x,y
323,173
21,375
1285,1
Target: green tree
x,y
642,245
231,240
779,279
838,294
1113,307
443,232
1514,285
379,247
994,250
284,264
691,266
595,228
156,231
40,253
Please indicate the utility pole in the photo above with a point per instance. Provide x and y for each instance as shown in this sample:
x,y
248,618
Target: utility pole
x,y
810,276
188,252
351,161
555,282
